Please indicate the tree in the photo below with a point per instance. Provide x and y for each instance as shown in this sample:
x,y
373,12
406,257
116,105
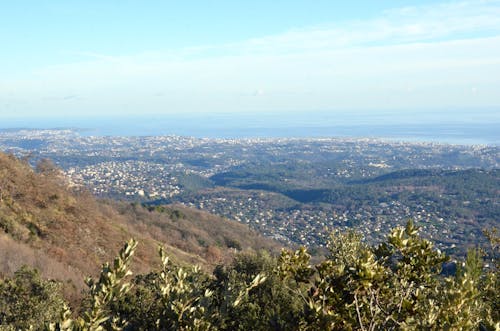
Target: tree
x,y
397,285
267,306
46,167
108,289
27,299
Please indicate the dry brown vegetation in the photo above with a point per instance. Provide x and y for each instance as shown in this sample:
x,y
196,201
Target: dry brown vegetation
x,y
194,231
67,233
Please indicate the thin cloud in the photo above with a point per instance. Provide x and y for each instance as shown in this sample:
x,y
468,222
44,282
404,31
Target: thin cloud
x,y
405,25
440,51
92,55
437,22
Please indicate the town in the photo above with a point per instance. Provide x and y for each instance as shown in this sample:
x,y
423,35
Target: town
x,y
255,181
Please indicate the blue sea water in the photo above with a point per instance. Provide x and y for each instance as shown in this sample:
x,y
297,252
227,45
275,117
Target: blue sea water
x,y
277,125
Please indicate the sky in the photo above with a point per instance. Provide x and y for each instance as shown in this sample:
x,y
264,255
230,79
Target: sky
x,y
69,59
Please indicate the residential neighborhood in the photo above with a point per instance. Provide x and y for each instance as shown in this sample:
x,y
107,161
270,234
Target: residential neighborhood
x,y
268,183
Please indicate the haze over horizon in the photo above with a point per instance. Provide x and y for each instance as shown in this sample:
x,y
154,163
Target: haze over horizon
x,y
91,59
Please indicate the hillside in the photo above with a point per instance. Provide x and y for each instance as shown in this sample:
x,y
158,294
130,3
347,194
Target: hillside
x,y
66,233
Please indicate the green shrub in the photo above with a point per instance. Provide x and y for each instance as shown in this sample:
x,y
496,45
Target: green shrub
x,y
397,285
26,300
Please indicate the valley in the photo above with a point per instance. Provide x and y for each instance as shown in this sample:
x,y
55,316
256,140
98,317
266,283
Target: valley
x,y
292,190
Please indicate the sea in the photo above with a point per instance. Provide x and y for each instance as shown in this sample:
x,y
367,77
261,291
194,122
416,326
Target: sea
x,y
474,131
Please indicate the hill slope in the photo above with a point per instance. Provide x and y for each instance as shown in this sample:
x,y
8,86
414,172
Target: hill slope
x,y
66,233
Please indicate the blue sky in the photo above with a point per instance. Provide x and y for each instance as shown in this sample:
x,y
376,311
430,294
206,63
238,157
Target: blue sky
x,y
90,58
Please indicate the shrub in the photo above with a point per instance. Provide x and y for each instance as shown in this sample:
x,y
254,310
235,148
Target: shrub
x,y
397,285
26,300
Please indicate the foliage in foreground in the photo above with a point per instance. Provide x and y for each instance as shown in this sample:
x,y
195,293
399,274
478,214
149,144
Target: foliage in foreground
x,y
397,285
